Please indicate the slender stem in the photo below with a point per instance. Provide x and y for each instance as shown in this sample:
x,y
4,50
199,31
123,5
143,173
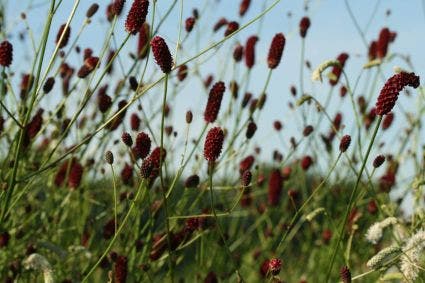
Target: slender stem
x,y
112,242
115,198
351,201
220,231
161,177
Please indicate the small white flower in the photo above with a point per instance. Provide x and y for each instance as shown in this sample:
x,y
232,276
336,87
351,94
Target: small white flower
x,y
411,258
374,233
317,73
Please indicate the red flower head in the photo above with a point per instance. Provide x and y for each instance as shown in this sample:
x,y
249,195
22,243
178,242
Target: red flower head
x,y
243,7
275,187
220,23
306,162
162,54
336,70
345,274
136,16
304,25
250,51
385,37
231,28
238,52
345,143
121,269
142,146
389,93
6,53
189,23
66,34
276,50
274,266
213,144
214,102
143,41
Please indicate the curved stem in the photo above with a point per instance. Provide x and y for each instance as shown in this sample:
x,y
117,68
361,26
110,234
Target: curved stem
x,y
351,201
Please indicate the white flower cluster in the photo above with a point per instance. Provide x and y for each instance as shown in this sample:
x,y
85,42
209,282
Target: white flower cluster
x,y
384,257
410,260
374,233
317,73
40,263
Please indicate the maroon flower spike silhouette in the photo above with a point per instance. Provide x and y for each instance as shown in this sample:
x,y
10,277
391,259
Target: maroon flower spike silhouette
x,y
345,143
276,50
243,7
213,144
143,145
390,91
214,102
275,187
6,53
336,70
66,34
250,51
304,25
136,16
162,54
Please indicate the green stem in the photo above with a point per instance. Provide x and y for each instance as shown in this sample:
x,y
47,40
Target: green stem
x,y
351,201
112,242
161,177
220,231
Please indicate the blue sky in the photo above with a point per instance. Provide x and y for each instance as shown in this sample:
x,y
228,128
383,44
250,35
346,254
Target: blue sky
x,y
332,32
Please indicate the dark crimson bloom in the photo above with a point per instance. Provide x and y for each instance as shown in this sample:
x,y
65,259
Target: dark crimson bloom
x,y
336,70
72,170
142,146
192,181
246,163
189,23
220,23
250,51
134,122
92,10
385,38
117,7
372,53
126,139
243,7
378,161
231,28
388,120
127,174
136,16
274,266
250,130
162,54
246,178
65,38
238,52
275,187
120,269
276,50
306,162
214,102
6,53
345,143
143,41
213,144
104,102
304,25
345,274
182,72
390,91
48,85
